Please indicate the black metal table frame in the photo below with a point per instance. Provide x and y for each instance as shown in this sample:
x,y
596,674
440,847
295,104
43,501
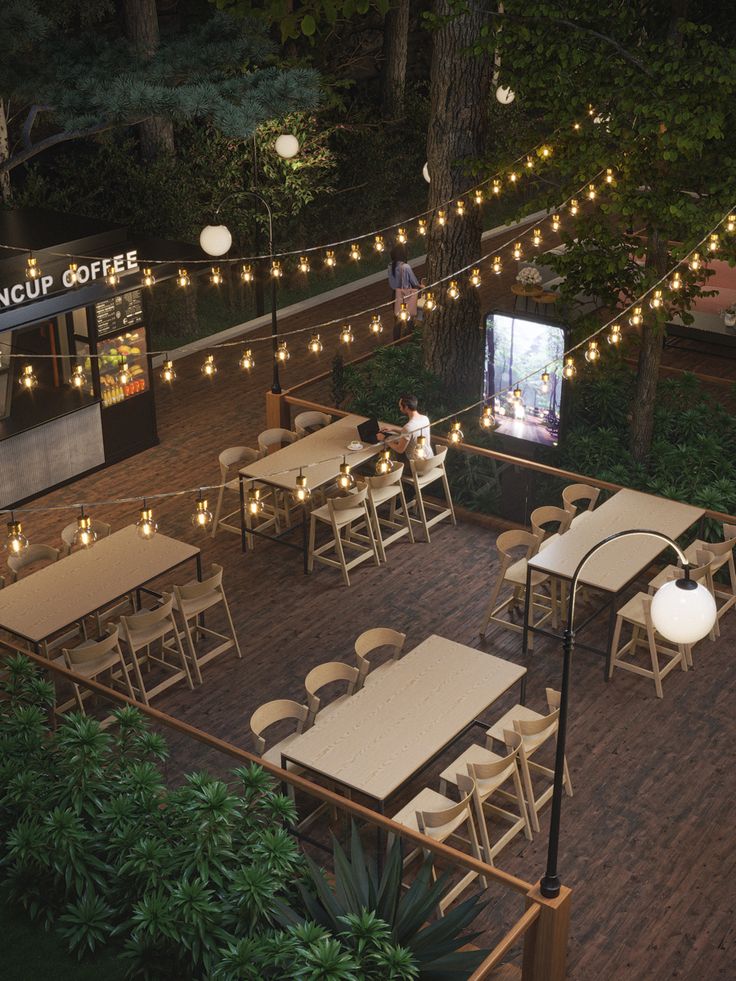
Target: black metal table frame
x,y
279,538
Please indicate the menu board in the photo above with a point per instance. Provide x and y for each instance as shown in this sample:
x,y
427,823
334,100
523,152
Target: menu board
x,y
119,312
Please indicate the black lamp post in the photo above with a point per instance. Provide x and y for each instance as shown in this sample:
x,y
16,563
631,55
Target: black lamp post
x,y
683,611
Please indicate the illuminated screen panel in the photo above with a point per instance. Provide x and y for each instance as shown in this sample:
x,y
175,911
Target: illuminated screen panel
x,y
517,347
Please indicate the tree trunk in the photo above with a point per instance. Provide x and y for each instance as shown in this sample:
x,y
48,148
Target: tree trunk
x,y
156,135
5,188
395,51
459,85
650,358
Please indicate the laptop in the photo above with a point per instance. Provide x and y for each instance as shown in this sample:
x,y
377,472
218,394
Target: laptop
x,y
368,431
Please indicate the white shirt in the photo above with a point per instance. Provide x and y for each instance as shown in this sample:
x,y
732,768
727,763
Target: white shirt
x,y
418,425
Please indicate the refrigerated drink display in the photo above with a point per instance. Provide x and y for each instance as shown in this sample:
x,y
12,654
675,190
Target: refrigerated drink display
x,y
128,348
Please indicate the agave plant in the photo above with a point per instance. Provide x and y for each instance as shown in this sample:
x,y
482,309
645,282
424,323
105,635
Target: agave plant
x,y
358,888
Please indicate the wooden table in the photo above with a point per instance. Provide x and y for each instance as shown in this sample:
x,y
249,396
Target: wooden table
x,y
320,454
65,592
619,563
376,740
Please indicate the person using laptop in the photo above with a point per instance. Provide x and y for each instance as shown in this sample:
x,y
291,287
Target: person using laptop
x,y
405,440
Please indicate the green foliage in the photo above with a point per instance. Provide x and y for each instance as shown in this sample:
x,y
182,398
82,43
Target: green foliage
x,y
307,19
359,893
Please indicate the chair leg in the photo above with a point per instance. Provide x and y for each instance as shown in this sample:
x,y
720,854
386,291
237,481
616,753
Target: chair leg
x,y
310,548
218,507
232,626
341,556
523,809
446,485
377,530
138,676
192,650
372,537
422,515
529,794
614,646
402,495
655,663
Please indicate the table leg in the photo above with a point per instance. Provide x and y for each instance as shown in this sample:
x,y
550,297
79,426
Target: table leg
x,y
243,545
609,638
527,599
305,540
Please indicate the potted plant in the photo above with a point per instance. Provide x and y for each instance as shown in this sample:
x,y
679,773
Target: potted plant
x,y
529,279
729,316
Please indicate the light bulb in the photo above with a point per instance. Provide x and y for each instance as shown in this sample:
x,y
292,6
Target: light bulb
x,y
478,197
303,264
537,237
591,192
496,186
529,163
247,361
636,318
456,434
276,271
168,372
683,611
656,300
78,378
676,282
475,277
460,208
574,207
614,335
15,541
513,177
216,276
330,260
301,491
254,502
315,344
713,243
72,274
112,278
555,223
123,372
401,236
592,353
545,382
84,535
429,301
346,334
282,353
201,516
441,217
517,253
33,270
246,274
378,244
609,175
569,369
28,379
209,368
404,313
345,479
486,418
576,127
497,265
516,394
731,223
453,291
695,261
421,443
182,278
148,279
545,152
286,145
145,525
383,464
355,252
422,226
375,326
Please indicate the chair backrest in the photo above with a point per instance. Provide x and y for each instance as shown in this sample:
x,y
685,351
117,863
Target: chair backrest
x,y
387,479
373,640
727,545
326,674
553,698
705,559
234,456
355,499
441,823
729,531
534,732
85,657
309,422
101,528
30,556
491,775
508,541
142,621
279,710
549,515
271,440
436,462
579,492
195,589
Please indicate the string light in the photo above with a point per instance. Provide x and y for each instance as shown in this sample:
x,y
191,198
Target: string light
x,y
545,152
383,464
315,344
330,260
496,265
201,516
496,186
276,270
636,318
441,217
529,163
78,378
33,270
429,301
209,368
576,127
513,177
555,223
112,279
614,335
301,493
456,434
676,282
537,237
453,290
378,244
28,379
545,382
282,353
246,273
355,252
401,236
182,278
516,394
592,353
475,277
422,226
247,361
375,326
695,262
517,253
591,192
656,300
345,478
15,541
303,264
168,372
254,502
148,279
216,276
72,274
346,334
574,207
123,372
145,525
460,208
486,418
569,369
478,197
421,443
84,535
609,175
713,243
403,313
731,223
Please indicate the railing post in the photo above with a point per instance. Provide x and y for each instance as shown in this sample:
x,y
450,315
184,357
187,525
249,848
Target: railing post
x,y
278,414
545,943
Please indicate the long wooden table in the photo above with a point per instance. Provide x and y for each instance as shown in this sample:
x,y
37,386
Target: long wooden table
x,y
377,739
618,564
319,454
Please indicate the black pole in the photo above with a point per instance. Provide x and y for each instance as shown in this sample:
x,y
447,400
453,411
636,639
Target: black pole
x,y
276,385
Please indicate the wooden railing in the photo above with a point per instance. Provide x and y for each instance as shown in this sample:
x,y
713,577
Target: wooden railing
x,y
542,928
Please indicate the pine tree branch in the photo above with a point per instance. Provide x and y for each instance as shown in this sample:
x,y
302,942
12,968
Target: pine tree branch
x,y
28,125
64,137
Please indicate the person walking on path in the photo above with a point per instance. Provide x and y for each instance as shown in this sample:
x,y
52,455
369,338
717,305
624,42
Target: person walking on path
x,y
405,285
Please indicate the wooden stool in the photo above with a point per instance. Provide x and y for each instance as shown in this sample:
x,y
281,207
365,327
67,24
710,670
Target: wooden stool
x,y
424,473
637,612
191,601
384,489
512,572
341,513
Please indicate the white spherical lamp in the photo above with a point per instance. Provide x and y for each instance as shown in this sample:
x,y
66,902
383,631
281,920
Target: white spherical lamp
x,y
683,611
505,95
215,239
425,173
286,146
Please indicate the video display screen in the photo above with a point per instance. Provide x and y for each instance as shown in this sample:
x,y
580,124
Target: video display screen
x,y
517,347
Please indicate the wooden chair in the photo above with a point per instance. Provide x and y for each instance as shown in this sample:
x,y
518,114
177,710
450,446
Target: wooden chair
x,y
310,422
573,494
95,657
101,528
341,514
440,818
271,440
512,572
279,710
535,730
231,460
723,556
143,629
424,473
388,489
327,674
34,555
191,601
703,572
560,519
373,640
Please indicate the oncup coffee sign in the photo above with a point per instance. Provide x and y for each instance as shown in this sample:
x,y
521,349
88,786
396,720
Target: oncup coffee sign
x,y
86,272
